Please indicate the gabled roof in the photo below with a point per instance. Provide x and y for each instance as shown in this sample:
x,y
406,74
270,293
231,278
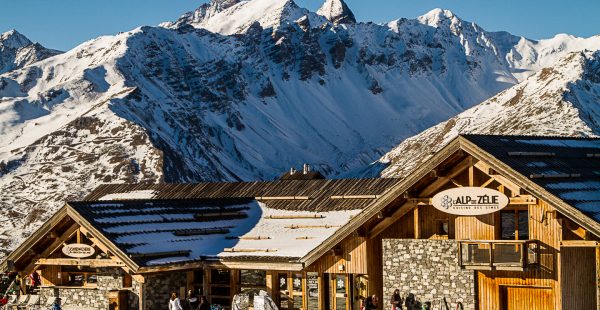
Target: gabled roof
x,y
568,158
566,167
281,221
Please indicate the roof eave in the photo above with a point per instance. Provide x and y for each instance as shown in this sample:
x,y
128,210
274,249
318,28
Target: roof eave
x,y
381,202
36,236
72,212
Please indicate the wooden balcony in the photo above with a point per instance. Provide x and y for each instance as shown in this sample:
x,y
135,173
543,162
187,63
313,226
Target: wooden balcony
x,y
516,255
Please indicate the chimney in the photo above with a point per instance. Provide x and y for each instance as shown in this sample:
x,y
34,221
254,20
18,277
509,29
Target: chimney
x,y
305,169
292,171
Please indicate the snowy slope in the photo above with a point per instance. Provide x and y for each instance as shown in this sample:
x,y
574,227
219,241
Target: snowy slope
x,y
240,90
17,51
562,100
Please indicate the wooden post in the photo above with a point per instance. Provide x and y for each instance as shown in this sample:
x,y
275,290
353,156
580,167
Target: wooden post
x,y
597,277
417,223
206,283
269,280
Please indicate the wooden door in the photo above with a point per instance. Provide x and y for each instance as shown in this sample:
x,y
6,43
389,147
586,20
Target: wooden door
x,y
340,292
291,290
526,298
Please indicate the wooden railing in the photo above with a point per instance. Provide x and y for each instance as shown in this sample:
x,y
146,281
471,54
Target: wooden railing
x,y
498,254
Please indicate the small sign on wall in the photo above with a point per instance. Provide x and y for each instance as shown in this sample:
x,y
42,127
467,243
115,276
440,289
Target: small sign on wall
x,y
470,201
78,250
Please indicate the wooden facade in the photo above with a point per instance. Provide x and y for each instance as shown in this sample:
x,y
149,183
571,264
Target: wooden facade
x,y
347,267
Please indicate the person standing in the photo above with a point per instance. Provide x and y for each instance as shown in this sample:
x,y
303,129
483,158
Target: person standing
x,y
396,300
371,302
174,302
56,305
204,305
193,300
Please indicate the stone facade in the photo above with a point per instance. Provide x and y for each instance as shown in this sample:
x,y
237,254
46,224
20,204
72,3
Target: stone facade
x,y
428,269
157,288
87,298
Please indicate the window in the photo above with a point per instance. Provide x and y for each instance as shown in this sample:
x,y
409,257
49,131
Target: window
x,y
514,225
253,278
76,279
219,276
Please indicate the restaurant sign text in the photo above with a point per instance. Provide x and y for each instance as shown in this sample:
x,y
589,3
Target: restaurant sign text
x,y
78,250
470,201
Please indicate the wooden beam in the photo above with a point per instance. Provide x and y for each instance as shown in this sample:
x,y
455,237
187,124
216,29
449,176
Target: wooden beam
x,y
579,243
356,197
523,200
417,223
485,168
488,182
427,191
386,222
455,171
79,262
54,246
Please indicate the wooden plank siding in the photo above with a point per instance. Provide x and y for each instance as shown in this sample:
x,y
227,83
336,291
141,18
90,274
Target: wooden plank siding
x,y
491,283
352,258
579,278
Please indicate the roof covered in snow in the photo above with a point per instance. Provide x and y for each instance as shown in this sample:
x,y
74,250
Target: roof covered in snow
x,y
175,223
567,167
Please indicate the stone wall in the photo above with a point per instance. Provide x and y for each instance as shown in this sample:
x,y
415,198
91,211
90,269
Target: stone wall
x,y
428,269
87,298
158,288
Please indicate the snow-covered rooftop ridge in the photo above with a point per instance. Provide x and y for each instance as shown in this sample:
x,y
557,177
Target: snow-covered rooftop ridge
x,y
337,12
132,195
222,228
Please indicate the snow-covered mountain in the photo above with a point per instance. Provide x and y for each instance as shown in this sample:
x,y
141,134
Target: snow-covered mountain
x,y
242,90
17,51
562,100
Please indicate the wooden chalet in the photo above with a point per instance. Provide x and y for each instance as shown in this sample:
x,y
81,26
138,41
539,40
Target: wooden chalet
x,y
313,243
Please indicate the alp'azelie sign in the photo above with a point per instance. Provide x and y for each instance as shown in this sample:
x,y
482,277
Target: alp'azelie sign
x,y
78,250
469,201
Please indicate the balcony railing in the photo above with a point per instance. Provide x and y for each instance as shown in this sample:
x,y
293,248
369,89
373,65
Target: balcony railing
x,y
498,254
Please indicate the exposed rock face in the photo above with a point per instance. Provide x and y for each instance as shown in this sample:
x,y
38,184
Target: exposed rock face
x,y
337,12
242,92
562,100
17,51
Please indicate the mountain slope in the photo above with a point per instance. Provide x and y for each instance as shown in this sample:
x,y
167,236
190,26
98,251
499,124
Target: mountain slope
x,y
562,100
16,51
239,90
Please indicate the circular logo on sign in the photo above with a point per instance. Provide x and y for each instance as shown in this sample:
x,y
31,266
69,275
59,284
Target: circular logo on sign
x,y
446,202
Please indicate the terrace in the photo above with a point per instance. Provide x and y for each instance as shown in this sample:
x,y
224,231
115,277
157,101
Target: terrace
x,y
515,255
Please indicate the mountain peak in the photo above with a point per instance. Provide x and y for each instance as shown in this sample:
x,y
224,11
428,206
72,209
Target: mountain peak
x,y
13,39
337,12
438,16
235,16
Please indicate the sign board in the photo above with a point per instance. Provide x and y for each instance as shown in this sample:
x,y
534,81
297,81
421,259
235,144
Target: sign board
x,y
470,201
78,250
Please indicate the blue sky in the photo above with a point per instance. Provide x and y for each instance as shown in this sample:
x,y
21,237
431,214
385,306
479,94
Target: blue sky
x,y
63,24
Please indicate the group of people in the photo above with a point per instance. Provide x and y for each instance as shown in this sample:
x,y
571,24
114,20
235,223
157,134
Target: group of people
x,y
192,302
396,302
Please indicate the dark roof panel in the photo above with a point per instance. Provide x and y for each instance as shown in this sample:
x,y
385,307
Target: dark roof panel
x,y
567,167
